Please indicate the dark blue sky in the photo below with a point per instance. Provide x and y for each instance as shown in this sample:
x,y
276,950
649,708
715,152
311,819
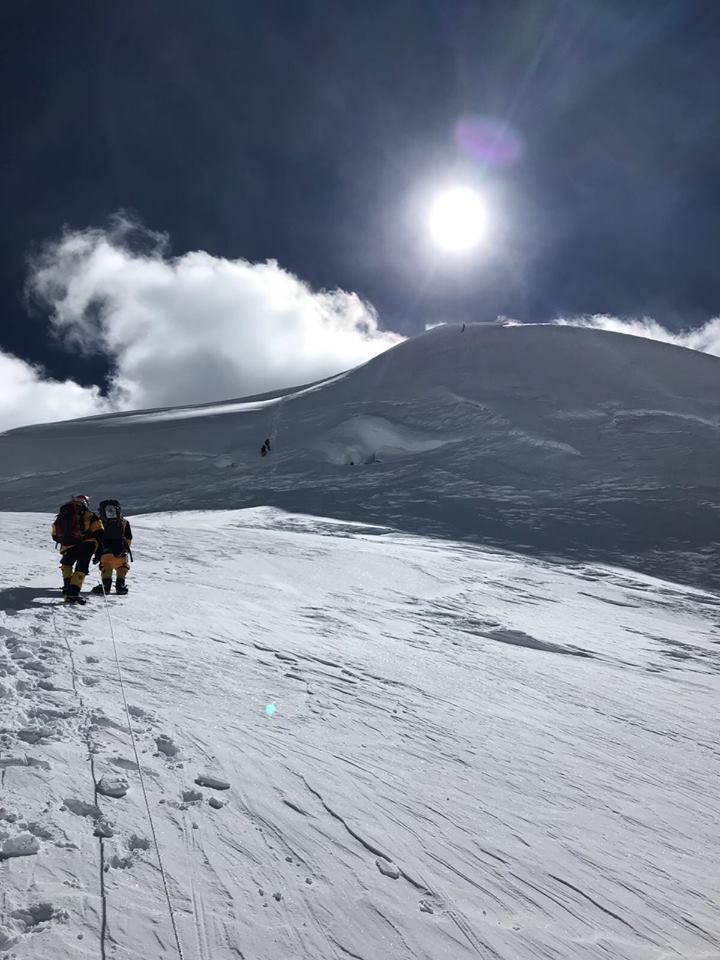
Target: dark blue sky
x,y
299,131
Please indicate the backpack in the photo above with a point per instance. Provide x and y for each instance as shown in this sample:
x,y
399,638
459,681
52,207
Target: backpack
x,y
69,526
113,524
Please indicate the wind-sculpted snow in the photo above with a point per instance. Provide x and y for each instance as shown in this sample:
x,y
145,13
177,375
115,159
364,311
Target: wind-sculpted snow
x,y
551,440
469,754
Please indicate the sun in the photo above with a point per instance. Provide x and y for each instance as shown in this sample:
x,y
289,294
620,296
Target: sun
x,y
458,219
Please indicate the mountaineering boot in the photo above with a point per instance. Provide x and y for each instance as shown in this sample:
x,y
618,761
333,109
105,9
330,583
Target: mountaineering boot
x,y
66,584
73,594
120,586
73,591
103,587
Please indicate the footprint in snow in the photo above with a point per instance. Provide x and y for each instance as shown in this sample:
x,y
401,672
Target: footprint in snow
x,y
125,855
23,844
111,785
80,808
166,745
36,734
124,763
191,796
24,761
28,920
38,914
119,862
137,713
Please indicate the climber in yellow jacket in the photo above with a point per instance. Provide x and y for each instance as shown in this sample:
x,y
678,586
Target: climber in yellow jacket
x,y
77,530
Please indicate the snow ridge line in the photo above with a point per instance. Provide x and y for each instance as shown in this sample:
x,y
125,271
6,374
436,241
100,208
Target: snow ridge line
x,y
457,917
587,896
371,848
91,759
163,875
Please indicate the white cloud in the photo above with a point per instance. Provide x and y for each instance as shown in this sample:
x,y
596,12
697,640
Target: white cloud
x,y
705,339
28,396
198,328
194,328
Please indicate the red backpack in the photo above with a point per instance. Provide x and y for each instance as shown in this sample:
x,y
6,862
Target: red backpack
x,y
69,527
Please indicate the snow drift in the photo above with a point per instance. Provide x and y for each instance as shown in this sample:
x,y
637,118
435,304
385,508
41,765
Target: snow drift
x,y
354,744
544,438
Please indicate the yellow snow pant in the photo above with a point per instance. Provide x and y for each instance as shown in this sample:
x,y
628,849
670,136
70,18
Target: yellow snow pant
x,y
109,562
77,580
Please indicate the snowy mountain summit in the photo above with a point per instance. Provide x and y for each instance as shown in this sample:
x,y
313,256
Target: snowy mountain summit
x,y
355,727
553,439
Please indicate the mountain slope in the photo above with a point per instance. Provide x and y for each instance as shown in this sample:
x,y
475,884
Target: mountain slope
x,y
546,438
470,754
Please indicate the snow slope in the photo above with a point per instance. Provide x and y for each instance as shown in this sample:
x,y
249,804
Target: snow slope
x,y
550,439
471,754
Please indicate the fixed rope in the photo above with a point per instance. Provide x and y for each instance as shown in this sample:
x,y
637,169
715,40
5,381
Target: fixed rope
x,y
173,921
91,759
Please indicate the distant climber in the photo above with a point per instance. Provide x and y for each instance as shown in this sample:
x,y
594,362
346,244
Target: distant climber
x,y
463,329
113,550
77,532
265,448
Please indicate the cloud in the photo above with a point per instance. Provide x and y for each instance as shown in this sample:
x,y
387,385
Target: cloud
x,y
194,328
705,339
197,328
27,395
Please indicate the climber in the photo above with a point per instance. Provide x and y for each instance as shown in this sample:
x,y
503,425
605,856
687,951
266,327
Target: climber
x,y
113,550
77,531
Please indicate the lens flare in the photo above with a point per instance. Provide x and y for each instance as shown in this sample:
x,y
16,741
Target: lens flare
x,y
492,142
458,219
270,710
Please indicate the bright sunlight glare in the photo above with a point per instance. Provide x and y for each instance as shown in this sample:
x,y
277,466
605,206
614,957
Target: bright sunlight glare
x,y
458,219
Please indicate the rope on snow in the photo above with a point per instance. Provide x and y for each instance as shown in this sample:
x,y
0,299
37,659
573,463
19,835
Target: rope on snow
x,y
173,921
